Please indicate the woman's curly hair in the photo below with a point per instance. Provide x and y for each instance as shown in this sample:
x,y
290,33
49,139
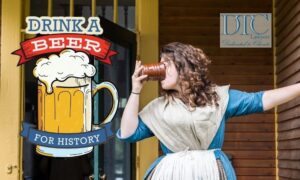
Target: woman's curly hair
x,y
191,64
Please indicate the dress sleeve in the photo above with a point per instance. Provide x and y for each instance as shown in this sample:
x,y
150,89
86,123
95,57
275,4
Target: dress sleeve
x,y
243,103
141,132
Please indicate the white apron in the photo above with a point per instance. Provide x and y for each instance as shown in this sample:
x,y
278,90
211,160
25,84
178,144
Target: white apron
x,y
183,131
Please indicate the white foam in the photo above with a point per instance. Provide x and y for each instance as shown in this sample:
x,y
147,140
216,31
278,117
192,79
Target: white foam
x,y
60,67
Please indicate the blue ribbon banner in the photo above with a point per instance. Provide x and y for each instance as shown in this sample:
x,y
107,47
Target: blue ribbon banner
x,y
72,140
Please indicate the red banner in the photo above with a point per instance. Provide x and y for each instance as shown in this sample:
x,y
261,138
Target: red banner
x,y
92,45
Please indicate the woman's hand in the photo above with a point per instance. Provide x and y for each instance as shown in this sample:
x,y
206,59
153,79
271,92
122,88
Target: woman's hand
x,y
138,80
129,120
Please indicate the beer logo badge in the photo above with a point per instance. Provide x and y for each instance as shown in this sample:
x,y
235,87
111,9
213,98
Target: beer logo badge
x,y
65,86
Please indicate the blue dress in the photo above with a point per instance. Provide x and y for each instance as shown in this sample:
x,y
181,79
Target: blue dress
x,y
240,103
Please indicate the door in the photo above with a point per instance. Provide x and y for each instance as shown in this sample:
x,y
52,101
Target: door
x,y
115,158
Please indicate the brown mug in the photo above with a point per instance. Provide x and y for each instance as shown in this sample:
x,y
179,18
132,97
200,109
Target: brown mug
x,y
155,71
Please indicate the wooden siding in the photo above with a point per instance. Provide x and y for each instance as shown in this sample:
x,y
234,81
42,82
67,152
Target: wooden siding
x,y
287,26
249,139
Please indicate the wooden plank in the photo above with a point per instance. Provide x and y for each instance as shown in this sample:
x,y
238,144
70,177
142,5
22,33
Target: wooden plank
x,y
286,59
286,54
256,177
288,62
279,5
291,104
289,155
291,80
290,144
250,80
255,137
241,145
217,3
252,88
289,44
255,154
289,124
290,134
284,19
182,30
198,36
212,51
290,24
289,164
206,11
289,114
289,173
254,163
241,60
292,47
189,21
286,11
284,178
243,127
241,70
194,42
253,118
255,171
239,52
289,71
248,88
198,39
289,35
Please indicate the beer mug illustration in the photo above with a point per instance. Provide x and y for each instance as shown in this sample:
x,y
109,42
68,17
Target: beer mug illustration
x,y
65,91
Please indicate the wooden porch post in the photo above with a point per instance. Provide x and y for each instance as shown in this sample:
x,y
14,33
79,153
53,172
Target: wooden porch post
x,y
147,30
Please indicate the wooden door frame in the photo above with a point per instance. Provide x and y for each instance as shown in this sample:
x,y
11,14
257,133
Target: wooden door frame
x,y
148,51
11,90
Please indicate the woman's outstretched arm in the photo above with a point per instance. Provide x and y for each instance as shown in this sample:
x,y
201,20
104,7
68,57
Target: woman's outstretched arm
x,y
129,121
275,97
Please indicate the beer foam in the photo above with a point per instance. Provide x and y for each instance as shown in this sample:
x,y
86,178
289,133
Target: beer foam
x,y
63,66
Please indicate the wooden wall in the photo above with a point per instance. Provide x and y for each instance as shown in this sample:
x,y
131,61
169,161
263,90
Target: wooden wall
x,y
249,139
288,64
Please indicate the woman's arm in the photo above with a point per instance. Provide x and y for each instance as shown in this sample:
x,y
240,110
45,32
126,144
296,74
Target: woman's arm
x,y
275,97
129,121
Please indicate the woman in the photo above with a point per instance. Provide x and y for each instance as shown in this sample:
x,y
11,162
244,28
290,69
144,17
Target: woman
x,y
189,119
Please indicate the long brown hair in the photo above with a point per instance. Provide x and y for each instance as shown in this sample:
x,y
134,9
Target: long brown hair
x,y
191,64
